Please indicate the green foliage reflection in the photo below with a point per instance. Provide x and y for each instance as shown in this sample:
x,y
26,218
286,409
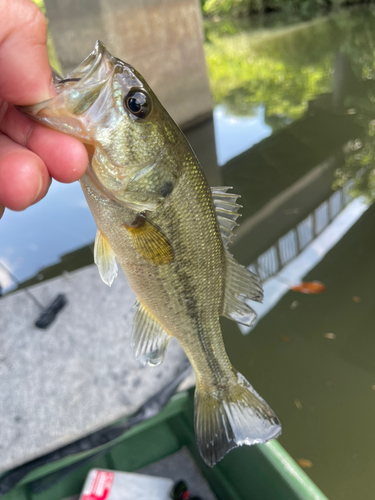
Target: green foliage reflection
x,y
281,71
359,46
284,70
246,7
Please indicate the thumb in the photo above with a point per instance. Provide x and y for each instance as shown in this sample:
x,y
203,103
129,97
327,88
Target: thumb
x,y
26,73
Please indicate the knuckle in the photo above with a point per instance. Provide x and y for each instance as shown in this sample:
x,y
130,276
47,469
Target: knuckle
x,y
36,21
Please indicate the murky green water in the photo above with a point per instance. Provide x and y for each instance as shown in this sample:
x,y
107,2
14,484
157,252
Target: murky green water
x,y
293,133
300,101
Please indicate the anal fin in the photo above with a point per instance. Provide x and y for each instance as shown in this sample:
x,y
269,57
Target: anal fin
x,y
241,285
148,338
105,259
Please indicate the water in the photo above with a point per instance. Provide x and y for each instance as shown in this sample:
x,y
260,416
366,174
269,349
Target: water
x,y
292,132
300,101
35,239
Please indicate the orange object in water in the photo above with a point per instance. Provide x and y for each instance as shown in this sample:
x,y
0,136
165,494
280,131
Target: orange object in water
x,y
309,287
304,463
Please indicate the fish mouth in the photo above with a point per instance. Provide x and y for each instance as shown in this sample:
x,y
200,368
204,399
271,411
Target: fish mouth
x,y
75,94
95,67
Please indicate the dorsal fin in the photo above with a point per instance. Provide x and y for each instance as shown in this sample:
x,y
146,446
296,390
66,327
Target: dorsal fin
x,y
105,259
240,285
226,211
149,339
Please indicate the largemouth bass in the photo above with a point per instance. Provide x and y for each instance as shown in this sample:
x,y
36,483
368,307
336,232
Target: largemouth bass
x,y
157,217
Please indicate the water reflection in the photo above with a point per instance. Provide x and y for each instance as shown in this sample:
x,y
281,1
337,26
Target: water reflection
x,y
282,69
35,239
300,250
290,245
306,189
327,64
236,134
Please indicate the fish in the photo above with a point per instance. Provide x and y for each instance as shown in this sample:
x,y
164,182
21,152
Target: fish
x,y
169,231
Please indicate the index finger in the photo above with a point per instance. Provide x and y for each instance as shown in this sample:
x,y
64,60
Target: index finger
x,y
23,52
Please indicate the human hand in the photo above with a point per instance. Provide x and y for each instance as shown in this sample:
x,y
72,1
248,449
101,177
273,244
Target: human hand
x,y
30,154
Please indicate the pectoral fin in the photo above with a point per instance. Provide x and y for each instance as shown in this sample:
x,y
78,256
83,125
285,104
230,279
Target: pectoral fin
x,y
150,241
105,259
149,339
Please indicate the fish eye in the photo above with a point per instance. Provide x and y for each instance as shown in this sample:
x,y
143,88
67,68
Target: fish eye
x,y
138,103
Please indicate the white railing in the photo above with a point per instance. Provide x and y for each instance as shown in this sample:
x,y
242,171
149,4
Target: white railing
x,y
291,244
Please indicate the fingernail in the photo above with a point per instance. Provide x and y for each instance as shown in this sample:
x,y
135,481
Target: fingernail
x,y
48,93
40,188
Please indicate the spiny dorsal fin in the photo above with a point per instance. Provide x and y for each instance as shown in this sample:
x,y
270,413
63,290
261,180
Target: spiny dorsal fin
x,y
226,211
240,285
105,259
149,340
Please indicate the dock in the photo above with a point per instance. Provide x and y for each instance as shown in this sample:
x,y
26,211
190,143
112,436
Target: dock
x,y
77,376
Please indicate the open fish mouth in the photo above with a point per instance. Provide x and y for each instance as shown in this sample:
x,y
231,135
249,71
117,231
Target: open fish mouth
x,y
86,95
76,93
85,79
96,67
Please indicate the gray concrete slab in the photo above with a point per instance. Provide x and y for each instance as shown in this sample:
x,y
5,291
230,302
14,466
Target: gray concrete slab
x,y
59,384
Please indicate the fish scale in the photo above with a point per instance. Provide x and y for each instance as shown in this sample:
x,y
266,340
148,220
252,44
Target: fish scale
x,y
158,218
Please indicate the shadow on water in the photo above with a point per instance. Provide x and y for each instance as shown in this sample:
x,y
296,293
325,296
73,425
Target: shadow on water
x,y
293,132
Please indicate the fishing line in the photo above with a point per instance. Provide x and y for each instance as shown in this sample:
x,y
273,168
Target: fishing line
x,y
48,314
18,283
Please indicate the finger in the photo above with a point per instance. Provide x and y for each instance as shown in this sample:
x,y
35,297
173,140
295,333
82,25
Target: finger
x,y
65,157
24,178
23,52
1,211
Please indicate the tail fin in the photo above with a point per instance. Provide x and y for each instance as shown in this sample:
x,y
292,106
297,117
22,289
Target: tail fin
x,y
232,417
